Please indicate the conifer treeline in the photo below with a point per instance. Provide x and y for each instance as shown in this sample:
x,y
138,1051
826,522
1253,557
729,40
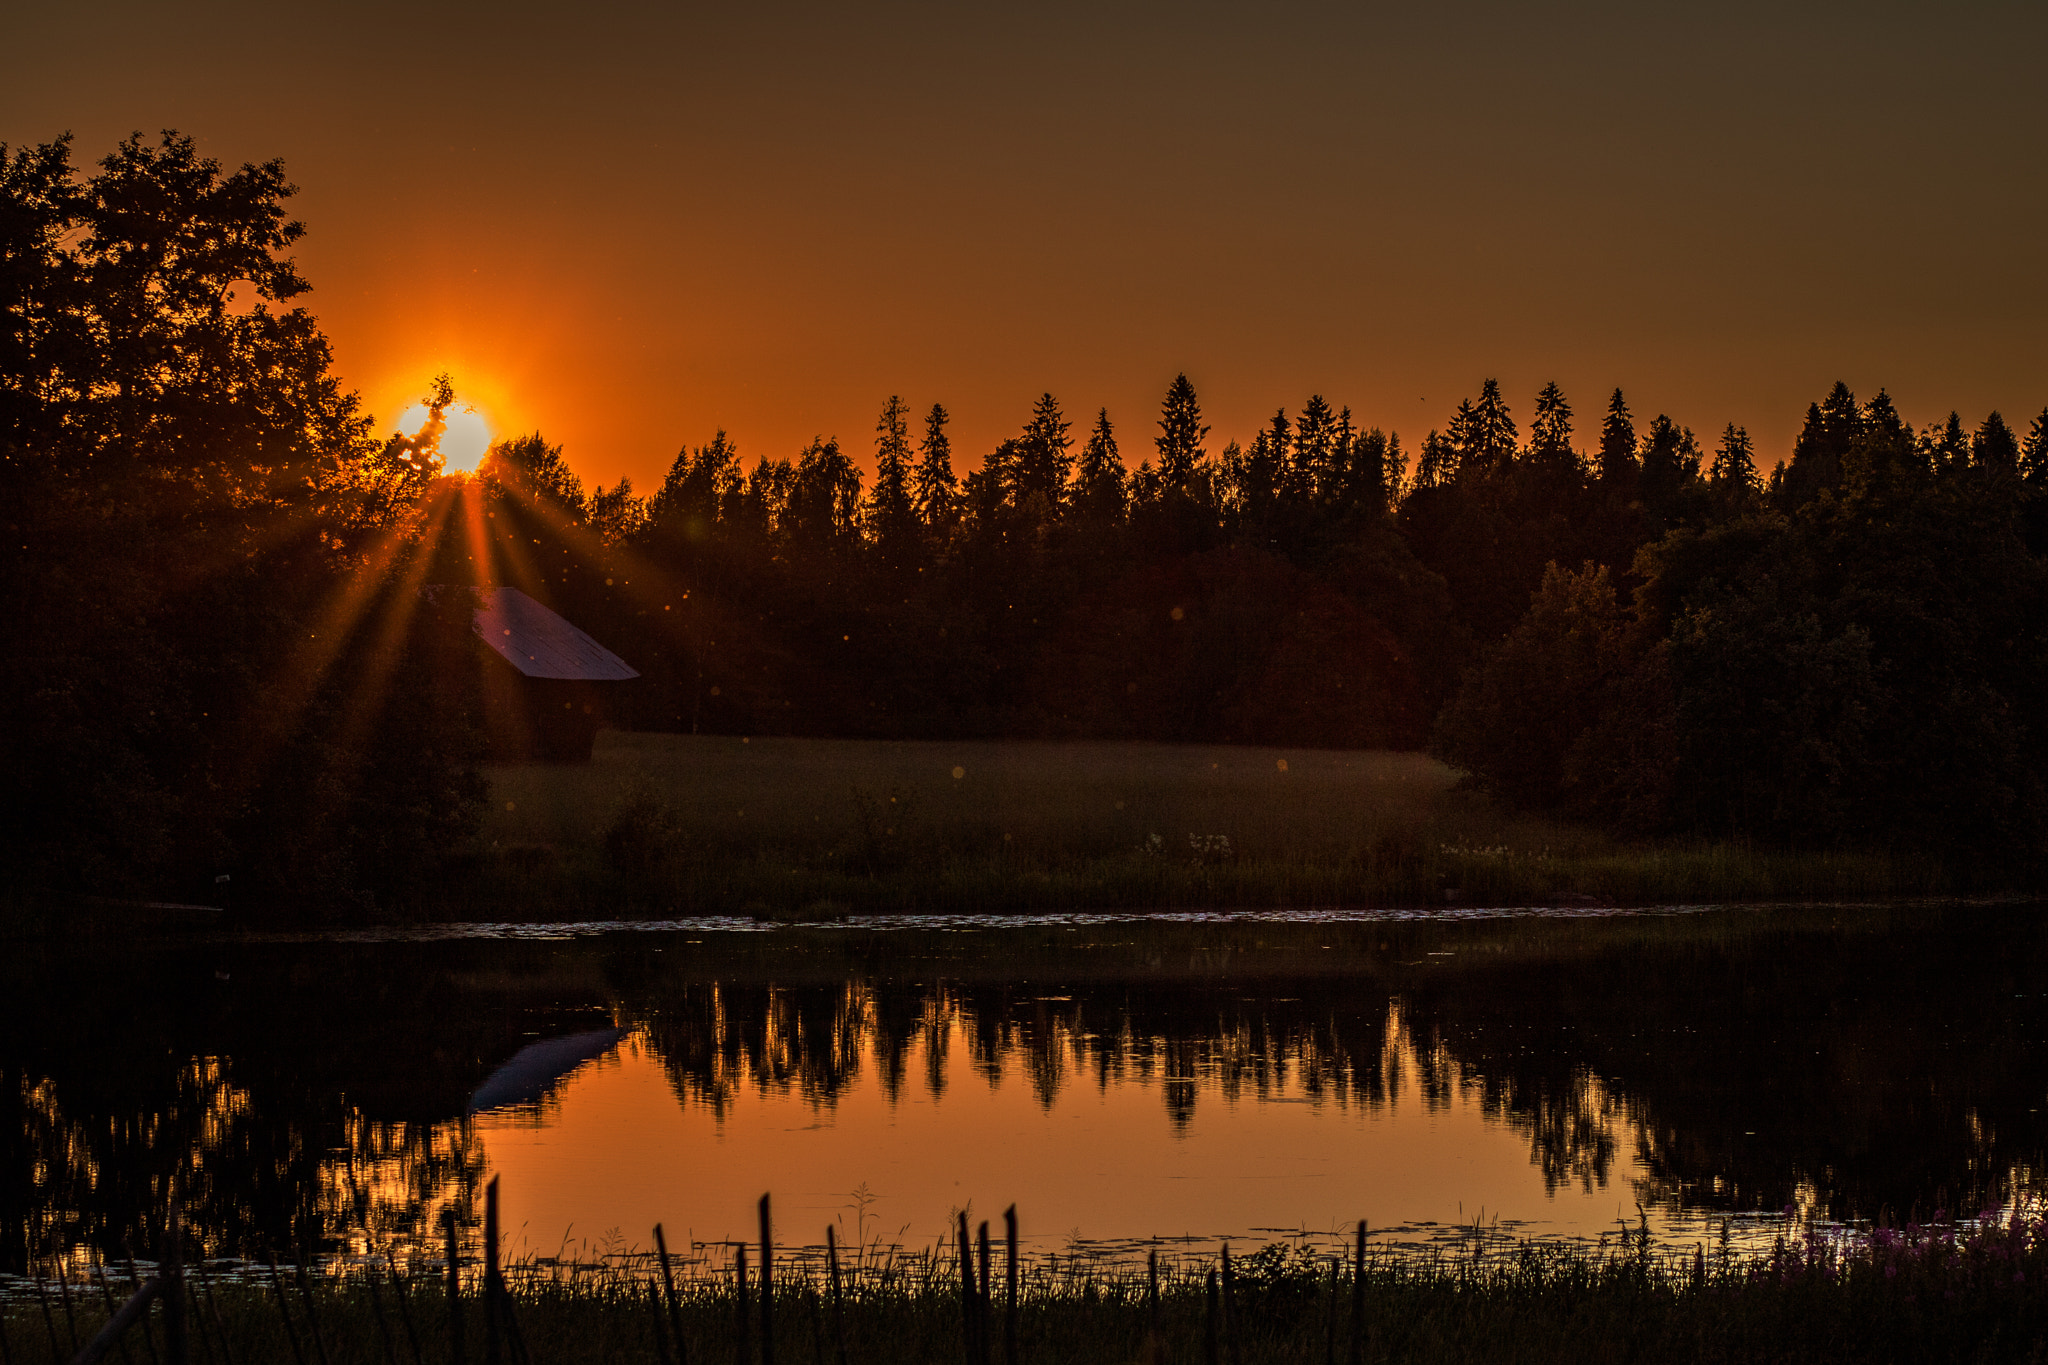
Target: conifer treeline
x,y
221,660
1629,627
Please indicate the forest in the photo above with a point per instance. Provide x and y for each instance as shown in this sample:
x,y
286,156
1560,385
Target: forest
x,y
224,662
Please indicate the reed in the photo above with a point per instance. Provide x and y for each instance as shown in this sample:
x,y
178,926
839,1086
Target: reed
x,y
1972,1292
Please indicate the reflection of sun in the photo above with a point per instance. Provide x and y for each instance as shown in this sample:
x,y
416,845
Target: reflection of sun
x,y
464,441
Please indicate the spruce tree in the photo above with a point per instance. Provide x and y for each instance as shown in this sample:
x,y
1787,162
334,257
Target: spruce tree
x,y
1461,434
1994,449
1312,461
2034,453
1947,450
1438,463
1386,464
1181,434
1832,428
1618,445
1098,494
1260,477
1488,441
891,515
1045,458
1669,460
1733,478
1550,433
1883,453
934,491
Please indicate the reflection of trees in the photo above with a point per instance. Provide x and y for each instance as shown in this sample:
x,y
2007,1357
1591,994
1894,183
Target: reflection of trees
x,y
1848,1068
1840,1070
388,1185
247,1179
1801,1063
716,1040
294,1108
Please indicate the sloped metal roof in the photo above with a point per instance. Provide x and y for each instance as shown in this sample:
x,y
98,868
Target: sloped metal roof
x,y
540,643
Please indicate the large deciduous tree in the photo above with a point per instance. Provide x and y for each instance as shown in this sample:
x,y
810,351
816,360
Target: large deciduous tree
x,y
216,658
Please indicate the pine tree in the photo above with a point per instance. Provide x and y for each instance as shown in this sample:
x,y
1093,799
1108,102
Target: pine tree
x,y
934,491
1045,458
1181,434
1618,445
891,515
1099,483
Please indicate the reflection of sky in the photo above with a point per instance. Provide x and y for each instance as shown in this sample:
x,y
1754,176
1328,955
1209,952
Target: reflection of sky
x,y
616,1151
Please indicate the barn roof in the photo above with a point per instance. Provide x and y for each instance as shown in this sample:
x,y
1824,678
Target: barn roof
x,y
540,643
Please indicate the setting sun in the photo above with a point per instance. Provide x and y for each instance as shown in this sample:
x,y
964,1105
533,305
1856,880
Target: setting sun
x,y
463,441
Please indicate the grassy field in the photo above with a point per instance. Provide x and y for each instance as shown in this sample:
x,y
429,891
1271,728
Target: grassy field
x,y
1922,1295
661,824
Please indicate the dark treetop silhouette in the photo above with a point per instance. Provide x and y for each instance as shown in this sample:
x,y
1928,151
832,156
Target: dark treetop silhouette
x,y
222,663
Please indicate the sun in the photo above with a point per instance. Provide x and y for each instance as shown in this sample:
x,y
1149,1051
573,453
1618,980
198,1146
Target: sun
x,y
463,441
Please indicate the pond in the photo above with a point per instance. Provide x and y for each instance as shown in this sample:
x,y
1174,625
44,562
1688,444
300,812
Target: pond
x,y
1121,1080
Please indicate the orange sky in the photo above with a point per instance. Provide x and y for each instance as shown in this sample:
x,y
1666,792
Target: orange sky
x,y
630,226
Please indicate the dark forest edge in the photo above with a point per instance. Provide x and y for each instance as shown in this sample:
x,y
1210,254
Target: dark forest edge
x,y
223,666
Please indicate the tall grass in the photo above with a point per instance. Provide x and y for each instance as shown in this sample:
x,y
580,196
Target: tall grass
x,y
1945,1293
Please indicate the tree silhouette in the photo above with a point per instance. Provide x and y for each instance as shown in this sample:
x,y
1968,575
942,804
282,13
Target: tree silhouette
x,y
1099,481
935,492
892,520
1818,456
2034,453
1617,459
1550,432
1044,459
1733,478
221,660
1181,434
1484,432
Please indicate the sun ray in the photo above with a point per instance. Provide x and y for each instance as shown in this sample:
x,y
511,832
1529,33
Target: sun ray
x,y
363,707
335,628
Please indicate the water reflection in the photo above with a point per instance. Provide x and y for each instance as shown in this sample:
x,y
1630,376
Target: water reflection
x,y
319,1095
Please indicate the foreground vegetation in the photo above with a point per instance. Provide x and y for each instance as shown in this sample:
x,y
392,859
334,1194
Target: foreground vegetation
x,y
1922,1294
781,827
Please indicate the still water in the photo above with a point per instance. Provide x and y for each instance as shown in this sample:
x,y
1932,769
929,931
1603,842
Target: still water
x,y
1119,1080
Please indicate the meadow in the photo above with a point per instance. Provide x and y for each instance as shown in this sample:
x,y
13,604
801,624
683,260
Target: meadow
x,y
663,824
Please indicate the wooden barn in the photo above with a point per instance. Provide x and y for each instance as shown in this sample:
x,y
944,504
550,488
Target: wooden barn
x,y
547,698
